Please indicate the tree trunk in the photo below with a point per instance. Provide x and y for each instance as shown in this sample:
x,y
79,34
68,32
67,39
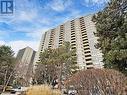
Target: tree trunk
x,y
4,88
5,77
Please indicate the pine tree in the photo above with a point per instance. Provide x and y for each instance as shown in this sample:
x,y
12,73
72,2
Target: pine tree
x,y
111,24
7,64
56,62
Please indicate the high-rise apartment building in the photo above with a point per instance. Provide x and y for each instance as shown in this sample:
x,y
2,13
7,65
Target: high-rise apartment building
x,y
80,33
24,68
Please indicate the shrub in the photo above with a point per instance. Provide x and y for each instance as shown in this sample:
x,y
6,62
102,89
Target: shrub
x,y
42,90
98,82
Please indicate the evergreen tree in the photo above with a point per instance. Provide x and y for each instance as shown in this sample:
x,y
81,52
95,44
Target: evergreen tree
x,y
7,64
111,24
56,62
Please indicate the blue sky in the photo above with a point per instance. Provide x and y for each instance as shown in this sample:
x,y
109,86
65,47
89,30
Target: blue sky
x,y
32,18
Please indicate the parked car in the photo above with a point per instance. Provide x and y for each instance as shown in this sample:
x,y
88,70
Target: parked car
x,y
17,87
10,89
72,90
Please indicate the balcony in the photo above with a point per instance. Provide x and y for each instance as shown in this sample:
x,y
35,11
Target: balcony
x,y
86,48
85,42
72,33
82,29
83,26
88,55
72,36
85,39
87,45
73,48
86,52
73,42
72,29
88,59
91,67
60,37
84,33
89,63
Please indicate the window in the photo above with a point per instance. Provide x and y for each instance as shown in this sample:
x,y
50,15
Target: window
x,y
86,45
85,39
73,44
87,52
73,41
84,33
86,48
73,48
72,31
83,29
72,28
87,55
89,67
73,36
85,42
60,43
90,63
83,26
61,37
88,59
72,25
60,40
49,43
82,22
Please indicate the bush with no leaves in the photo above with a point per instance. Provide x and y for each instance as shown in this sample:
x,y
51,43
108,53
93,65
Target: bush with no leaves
x,y
98,82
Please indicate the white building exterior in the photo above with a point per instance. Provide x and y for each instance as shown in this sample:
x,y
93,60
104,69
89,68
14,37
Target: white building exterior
x,y
24,66
80,33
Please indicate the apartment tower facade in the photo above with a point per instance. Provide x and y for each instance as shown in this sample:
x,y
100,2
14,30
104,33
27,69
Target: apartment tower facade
x,y
24,68
80,33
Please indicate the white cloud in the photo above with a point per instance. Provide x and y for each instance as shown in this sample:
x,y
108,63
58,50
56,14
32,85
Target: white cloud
x,y
27,16
94,2
16,45
59,5
36,34
2,43
20,44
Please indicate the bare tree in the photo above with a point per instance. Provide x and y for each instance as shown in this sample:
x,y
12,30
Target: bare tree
x,y
7,64
98,82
